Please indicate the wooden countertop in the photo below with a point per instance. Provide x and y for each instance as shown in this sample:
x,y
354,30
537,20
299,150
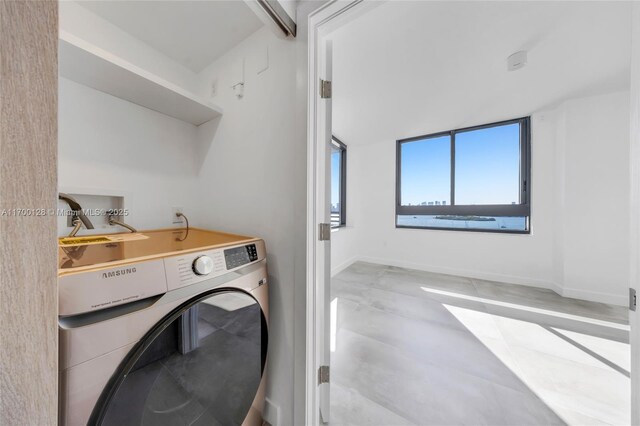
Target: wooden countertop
x,y
81,254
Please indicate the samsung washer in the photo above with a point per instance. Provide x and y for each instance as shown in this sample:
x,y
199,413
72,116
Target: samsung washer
x,y
162,327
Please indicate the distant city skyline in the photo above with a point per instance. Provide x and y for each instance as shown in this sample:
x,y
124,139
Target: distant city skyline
x,y
430,203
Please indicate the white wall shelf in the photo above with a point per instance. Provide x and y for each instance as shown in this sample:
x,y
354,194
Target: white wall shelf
x,y
94,67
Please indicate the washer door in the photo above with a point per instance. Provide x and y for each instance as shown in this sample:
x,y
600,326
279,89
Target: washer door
x,y
201,365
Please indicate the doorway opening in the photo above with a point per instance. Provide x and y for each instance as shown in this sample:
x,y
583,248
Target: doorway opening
x,y
478,265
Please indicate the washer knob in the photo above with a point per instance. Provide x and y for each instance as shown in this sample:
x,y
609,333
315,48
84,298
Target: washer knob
x,y
203,265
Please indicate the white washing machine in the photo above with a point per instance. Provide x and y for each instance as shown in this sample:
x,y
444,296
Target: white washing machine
x,y
163,327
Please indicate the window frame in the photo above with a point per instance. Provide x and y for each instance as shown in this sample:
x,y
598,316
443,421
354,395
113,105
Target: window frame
x,y
522,209
343,181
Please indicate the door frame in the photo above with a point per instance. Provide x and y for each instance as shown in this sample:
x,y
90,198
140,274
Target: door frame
x,y
28,199
634,158
324,20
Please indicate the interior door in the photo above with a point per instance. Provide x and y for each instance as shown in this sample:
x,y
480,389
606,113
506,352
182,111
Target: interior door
x,y
324,216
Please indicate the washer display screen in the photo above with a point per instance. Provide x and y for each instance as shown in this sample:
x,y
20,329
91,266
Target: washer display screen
x,y
239,256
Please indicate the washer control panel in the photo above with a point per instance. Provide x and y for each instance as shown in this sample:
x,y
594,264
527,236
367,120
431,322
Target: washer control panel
x,y
203,265
105,288
238,256
191,268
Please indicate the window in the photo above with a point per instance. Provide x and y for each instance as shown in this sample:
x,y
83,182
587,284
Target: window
x,y
474,179
338,183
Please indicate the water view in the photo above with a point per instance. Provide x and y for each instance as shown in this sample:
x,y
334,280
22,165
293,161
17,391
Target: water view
x,y
489,223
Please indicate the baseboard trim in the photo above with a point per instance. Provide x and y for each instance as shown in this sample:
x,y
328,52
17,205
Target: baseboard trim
x,y
480,275
343,266
596,296
574,293
592,296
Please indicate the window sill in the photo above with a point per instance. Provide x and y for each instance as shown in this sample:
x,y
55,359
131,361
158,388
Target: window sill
x,y
487,231
341,228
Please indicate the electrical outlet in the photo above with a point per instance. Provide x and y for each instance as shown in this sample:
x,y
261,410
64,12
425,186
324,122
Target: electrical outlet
x,y
175,219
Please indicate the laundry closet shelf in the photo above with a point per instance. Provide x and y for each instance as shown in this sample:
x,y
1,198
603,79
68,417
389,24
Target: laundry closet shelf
x,y
94,67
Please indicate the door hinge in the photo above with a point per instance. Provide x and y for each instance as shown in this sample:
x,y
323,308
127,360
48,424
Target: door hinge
x,y
325,89
324,231
323,374
632,299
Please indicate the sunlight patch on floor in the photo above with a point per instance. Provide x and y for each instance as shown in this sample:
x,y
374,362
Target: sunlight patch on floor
x,y
528,309
575,374
333,324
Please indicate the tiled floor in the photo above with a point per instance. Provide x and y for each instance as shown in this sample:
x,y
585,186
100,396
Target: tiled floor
x,y
412,347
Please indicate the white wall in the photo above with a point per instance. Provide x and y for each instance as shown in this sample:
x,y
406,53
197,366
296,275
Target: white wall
x,y
249,182
580,177
595,219
114,146
110,146
344,248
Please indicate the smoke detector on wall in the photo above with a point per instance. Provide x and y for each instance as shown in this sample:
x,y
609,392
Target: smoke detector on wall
x,y
517,60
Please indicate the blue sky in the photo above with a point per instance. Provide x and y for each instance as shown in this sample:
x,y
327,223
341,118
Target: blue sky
x,y
335,176
487,167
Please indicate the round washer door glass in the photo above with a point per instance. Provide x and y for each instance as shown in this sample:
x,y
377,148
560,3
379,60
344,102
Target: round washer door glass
x,y
201,366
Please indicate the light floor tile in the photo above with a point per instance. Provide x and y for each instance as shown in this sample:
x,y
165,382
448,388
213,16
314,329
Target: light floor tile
x,y
428,343
552,341
348,407
544,298
607,351
415,347
427,394
593,391
418,308
574,418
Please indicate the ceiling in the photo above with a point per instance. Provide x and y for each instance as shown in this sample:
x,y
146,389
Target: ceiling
x,y
192,33
408,68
